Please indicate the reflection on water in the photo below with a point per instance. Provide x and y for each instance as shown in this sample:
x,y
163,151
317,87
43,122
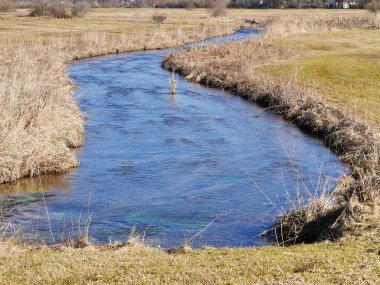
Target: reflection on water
x,y
168,165
34,185
173,98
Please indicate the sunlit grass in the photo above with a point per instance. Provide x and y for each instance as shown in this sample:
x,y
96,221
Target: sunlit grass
x,y
129,21
343,67
18,27
346,262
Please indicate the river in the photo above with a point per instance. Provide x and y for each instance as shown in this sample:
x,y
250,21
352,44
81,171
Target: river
x,y
166,166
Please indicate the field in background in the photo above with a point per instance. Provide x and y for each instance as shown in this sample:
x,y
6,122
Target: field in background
x,y
115,21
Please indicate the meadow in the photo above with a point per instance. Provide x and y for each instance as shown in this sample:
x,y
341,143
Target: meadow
x,y
115,21
324,78
342,66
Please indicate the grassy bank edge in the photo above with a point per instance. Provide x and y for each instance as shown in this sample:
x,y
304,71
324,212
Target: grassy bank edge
x,y
356,144
353,260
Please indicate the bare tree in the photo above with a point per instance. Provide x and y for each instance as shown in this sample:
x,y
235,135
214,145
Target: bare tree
x,y
80,9
218,8
5,6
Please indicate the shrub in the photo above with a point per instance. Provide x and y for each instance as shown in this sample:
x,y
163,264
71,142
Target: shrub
x,y
5,6
373,6
39,9
80,9
190,5
159,18
60,10
219,8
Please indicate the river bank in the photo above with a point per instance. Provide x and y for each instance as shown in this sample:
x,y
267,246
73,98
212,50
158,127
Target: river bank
x,y
352,259
245,69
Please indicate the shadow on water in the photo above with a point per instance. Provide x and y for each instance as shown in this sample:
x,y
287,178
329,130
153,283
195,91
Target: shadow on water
x,y
168,165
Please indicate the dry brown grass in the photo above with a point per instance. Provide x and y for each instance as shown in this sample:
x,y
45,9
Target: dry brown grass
x,y
40,120
18,27
233,67
290,24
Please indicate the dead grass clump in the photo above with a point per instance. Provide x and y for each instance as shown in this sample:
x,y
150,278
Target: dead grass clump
x,y
173,84
158,19
40,121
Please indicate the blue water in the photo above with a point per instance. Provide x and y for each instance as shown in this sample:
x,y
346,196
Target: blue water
x,y
169,165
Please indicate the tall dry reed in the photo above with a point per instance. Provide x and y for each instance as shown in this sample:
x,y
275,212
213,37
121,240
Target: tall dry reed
x,y
40,120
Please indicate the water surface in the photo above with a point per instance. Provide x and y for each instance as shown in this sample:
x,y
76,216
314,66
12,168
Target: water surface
x,y
169,165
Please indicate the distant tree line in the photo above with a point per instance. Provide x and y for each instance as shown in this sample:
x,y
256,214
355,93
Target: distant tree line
x,y
236,3
243,3
294,3
8,4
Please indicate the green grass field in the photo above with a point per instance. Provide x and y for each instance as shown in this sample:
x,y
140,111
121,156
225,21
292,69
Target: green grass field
x,y
350,261
18,26
342,66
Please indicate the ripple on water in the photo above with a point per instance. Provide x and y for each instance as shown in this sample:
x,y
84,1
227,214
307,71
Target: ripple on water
x,y
167,166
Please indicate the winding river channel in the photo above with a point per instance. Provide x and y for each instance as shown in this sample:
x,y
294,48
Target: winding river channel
x,y
167,166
